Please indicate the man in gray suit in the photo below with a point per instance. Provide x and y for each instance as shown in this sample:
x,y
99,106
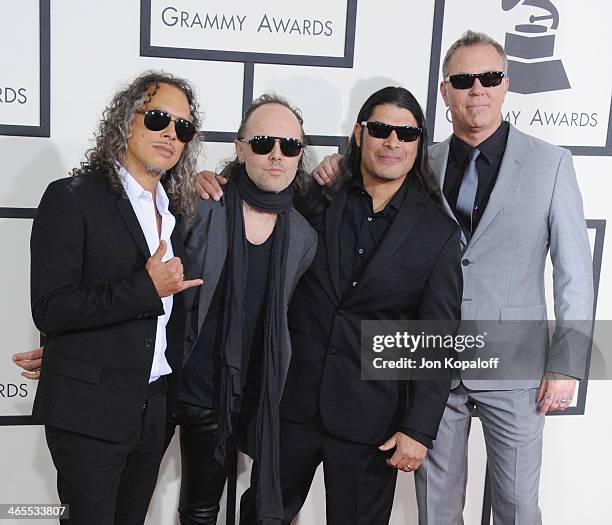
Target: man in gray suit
x,y
516,198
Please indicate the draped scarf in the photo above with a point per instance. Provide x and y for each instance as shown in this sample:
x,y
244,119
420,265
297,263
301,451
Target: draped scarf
x,y
265,439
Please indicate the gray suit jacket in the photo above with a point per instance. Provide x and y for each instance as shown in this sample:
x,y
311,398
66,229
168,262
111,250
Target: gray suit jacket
x,y
205,253
534,207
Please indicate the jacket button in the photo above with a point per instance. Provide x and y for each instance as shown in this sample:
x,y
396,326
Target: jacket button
x,y
341,311
148,343
333,350
465,262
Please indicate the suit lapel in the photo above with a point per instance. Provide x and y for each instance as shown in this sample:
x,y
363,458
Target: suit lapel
x,y
333,218
213,259
131,222
510,173
438,162
178,243
400,228
206,250
294,255
438,158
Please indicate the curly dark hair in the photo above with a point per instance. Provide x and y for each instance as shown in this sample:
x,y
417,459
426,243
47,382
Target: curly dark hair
x,y
114,130
302,178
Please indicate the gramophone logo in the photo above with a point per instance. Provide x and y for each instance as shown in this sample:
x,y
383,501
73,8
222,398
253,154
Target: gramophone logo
x,y
531,50
553,47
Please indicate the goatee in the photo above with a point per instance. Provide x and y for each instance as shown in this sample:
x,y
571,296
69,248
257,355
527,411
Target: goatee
x,y
155,170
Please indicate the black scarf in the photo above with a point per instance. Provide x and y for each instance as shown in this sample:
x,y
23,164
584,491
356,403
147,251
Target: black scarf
x,y
265,450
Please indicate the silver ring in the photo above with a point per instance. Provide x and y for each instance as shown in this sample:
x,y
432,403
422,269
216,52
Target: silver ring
x,y
408,466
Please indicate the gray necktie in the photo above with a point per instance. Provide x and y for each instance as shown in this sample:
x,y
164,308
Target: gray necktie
x,y
467,191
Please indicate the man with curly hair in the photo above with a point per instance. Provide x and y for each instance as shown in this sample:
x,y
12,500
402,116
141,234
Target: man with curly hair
x,y
251,248
106,263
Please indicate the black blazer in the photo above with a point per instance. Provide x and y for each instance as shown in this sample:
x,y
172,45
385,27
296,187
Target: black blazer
x,y
93,298
206,251
414,274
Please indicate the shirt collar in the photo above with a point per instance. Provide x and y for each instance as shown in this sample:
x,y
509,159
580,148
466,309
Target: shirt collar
x,y
395,202
135,191
490,149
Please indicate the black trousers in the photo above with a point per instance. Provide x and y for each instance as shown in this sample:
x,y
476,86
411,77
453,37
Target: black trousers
x,y
107,482
359,485
202,476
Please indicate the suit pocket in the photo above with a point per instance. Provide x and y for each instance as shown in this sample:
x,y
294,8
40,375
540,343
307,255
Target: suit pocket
x,y
513,314
67,366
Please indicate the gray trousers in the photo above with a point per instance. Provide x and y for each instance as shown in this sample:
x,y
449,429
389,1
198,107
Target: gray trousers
x,y
513,436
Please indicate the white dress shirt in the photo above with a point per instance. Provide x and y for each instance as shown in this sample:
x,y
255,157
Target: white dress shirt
x,y
144,208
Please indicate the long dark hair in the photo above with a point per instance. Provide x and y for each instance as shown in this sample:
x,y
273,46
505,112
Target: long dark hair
x,y
319,197
402,98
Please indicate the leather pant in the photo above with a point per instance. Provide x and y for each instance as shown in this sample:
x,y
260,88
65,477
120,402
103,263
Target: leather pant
x,y
203,477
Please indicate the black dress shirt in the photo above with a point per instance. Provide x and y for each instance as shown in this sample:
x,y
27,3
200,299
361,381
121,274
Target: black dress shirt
x,y
487,164
363,230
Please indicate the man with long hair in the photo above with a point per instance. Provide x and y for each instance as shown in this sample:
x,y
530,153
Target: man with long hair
x,y
250,248
516,198
381,222
106,264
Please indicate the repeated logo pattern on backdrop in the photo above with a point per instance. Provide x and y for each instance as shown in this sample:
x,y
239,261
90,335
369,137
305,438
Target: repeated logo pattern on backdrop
x,y
317,33
554,95
531,49
24,81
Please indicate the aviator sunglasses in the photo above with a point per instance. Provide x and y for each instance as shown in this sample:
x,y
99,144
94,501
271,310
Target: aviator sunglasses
x,y
466,80
380,130
264,144
156,120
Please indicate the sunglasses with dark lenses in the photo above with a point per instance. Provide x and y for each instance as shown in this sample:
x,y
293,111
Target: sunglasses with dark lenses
x,y
380,130
466,80
156,120
264,144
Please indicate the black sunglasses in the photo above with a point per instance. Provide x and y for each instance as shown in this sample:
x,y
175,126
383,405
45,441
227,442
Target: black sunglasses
x,y
380,130
466,80
156,120
264,144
